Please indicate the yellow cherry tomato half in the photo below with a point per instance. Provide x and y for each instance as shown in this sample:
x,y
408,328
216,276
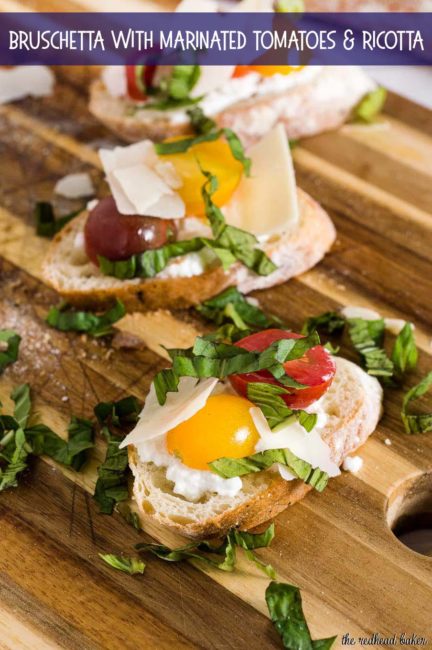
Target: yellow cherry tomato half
x,y
224,427
214,157
266,70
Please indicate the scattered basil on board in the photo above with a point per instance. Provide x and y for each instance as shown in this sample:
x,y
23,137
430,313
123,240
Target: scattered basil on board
x,y
370,106
9,348
47,224
129,565
115,420
422,422
70,320
285,607
207,552
231,306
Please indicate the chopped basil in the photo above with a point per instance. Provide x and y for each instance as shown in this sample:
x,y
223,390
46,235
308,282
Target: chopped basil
x,y
210,358
232,306
268,398
21,397
422,422
151,262
328,322
71,452
12,341
201,124
113,474
367,338
205,551
47,225
231,467
405,354
371,105
289,6
174,90
85,321
286,612
14,448
13,455
126,564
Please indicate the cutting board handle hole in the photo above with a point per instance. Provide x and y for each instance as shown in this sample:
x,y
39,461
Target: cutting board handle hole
x,y
409,513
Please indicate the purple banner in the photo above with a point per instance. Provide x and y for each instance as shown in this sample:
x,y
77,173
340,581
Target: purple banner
x,y
216,39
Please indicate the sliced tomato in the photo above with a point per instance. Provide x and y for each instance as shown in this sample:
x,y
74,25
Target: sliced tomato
x,y
316,369
139,79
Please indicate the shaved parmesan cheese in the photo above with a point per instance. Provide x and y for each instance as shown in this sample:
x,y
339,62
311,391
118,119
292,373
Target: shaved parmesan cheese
x,y
25,80
114,78
156,420
307,446
265,204
141,183
212,77
75,186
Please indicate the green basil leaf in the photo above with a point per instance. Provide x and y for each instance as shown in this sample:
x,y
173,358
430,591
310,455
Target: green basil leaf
x,y
230,467
328,322
367,338
71,452
231,305
151,262
201,124
290,6
120,413
194,551
13,457
21,396
210,358
166,381
405,354
85,321
47,225
420,423
113,475
182,80
268,398
371,105
12,341
126,564
286,612
167,104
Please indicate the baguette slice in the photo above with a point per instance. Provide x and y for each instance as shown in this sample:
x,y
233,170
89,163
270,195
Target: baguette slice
x,y
353,405
320,104
68,270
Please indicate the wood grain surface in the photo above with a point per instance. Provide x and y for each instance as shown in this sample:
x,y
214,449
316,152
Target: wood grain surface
x,y
355,576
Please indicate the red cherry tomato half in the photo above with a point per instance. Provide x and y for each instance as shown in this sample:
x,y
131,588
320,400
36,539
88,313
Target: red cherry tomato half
x,y
119,236
139,79
316,369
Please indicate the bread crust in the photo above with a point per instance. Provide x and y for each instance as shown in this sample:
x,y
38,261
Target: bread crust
x,y
304,109
300,251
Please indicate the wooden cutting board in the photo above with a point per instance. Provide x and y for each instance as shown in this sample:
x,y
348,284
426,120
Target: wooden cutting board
x,y
355,576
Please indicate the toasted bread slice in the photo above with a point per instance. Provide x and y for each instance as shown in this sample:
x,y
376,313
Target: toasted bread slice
x,y
320,104
353,406
68,270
